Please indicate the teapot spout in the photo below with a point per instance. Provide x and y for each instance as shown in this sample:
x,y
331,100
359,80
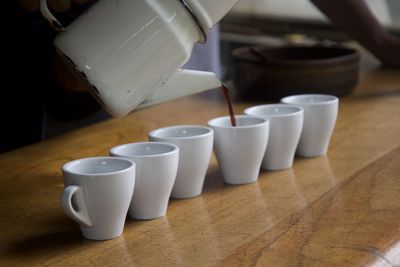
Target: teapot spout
x,y
183,83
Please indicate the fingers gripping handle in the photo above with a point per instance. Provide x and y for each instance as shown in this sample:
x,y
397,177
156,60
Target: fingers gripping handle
x,y
49,17
81,215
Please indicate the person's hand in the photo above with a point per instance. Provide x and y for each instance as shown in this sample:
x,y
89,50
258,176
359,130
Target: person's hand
x,y
66,77
389,51
56,5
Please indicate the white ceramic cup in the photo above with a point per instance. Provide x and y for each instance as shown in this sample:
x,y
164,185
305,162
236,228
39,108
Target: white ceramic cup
x,y
286,123
240,149
156,169
320,113
97,194
195,148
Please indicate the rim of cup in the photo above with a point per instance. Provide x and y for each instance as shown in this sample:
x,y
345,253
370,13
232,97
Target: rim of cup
x,y
225,121
143,149
285,110
173,132
310,99
70,167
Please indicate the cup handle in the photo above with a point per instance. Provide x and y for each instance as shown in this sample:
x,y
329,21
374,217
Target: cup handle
x,y
81,215
49,17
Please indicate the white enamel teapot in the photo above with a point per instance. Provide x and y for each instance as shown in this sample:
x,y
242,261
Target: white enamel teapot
x,y
130,51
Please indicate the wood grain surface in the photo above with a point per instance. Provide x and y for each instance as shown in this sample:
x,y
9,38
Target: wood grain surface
x,y
342,209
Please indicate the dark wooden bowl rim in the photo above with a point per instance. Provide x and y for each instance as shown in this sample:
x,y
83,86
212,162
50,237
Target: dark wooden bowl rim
x,y
296,55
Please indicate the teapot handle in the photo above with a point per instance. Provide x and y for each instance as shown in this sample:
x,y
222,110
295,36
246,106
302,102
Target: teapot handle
x,y
49,17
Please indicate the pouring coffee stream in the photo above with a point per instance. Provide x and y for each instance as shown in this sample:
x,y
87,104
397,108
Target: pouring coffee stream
x,y
228,99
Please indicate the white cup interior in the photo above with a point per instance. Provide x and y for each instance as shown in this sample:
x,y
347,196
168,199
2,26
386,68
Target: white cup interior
x,y
180,132
143,149
273,110
241,121
101,165
309,99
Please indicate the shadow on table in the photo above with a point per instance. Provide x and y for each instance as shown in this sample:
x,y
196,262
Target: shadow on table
x,y
47,244
213,181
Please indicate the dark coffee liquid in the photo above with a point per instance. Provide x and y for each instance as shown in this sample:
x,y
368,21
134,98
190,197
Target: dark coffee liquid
x,y
228,99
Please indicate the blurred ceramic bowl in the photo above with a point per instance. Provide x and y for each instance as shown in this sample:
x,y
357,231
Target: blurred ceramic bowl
x,y
269,73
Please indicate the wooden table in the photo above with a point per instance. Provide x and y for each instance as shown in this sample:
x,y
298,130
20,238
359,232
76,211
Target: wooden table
x,y
342,209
